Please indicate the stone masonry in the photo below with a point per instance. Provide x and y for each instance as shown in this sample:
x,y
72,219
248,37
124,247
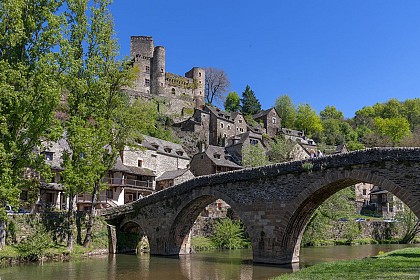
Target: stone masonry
x,y
274,202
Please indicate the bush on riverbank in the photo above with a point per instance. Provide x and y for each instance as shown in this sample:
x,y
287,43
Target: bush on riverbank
x,y
399,264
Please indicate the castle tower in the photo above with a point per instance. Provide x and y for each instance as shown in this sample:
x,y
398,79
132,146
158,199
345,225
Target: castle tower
x,y
199,77
158,71
141,51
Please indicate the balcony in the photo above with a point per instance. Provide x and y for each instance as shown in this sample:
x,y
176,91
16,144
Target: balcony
x,y
129,183
87,198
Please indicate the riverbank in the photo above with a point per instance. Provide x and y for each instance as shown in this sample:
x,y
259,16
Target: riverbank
x,y
398,264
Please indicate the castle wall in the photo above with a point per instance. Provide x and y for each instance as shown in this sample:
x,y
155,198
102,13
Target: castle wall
x,y
175,93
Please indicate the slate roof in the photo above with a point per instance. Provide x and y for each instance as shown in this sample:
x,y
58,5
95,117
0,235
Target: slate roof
x,y
211,151
164,147
170,175
262,113
220,114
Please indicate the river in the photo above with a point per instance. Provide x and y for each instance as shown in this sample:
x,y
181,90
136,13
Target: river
x,y
235,264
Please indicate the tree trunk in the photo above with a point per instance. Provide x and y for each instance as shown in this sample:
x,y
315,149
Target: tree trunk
x,y
2,234
91,222
71,223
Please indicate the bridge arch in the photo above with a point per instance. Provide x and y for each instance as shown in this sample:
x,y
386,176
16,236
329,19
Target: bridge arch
x,y
190,210
307,202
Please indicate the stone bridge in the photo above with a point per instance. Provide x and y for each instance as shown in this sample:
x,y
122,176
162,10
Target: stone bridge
x,y
274,202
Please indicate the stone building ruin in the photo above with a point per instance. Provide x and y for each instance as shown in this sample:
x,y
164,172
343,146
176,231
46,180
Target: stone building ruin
x,y
179,95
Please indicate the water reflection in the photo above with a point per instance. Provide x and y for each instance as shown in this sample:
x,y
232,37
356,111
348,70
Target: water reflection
x,y
234,264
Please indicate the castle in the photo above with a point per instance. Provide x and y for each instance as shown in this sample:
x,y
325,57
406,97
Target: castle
x,y
176,92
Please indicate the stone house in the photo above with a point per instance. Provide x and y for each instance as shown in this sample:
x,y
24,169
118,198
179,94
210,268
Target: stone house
x,y
172,178
236,143
132,176
384,203
270,120
214,159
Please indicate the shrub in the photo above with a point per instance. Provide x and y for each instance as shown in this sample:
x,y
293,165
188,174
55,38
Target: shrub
x,y
229,235
34,247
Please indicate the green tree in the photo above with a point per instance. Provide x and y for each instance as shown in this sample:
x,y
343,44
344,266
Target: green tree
x,y
233,102
250,103
412,112
253,156
280,149
330,112
394,128
286,110
29,89
229,234
307,120
95,127
408,223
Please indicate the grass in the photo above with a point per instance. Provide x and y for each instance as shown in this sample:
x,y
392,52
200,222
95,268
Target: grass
x,y
399,264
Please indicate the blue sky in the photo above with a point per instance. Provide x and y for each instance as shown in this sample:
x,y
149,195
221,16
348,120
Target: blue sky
x,y
344,53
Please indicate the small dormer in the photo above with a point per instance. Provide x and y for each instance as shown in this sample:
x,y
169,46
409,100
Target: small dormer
x,y
217,156
167,150
180,153
155,146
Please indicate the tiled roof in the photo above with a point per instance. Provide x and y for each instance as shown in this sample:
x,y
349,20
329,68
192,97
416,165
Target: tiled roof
x,y
120,167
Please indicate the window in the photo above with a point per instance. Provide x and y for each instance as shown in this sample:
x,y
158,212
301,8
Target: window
x,y
180,153
228,127
364,191
199,74
140,163
221,125
167,150
202,156
49,156
240,121
161,70
274,120
216,156
173,90
147,69
155,146
253,141
147,82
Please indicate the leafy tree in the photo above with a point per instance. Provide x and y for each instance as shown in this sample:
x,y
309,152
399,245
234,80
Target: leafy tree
x,y
408,223
307,120
229,234
280,149
286,110
250,103
412,112
216,84
95,127
253,156
29,89
330,112
233,102
394,128
364,116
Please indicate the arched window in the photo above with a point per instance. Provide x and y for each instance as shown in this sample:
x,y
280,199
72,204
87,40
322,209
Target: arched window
x,y
173,90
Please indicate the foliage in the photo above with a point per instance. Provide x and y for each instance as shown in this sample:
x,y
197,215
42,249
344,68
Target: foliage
x,y
201,243
250,103
216,84
280,149
228,234
29,88
233,102
325,217
331,112
408,223
35,246
307,166
307,120
253,156
395,128
286,110
399,264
